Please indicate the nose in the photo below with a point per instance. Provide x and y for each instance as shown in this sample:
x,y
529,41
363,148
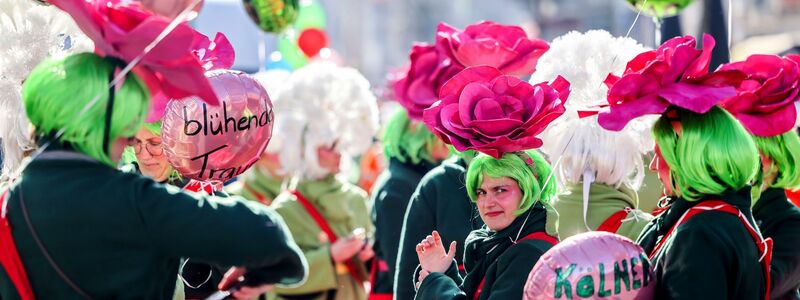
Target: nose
x,y
654,163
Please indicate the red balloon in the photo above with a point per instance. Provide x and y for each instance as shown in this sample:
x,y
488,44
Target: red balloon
x,y
312,40
217,143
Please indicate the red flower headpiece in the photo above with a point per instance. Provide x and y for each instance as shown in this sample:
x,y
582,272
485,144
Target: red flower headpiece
x,y
482,109
675,74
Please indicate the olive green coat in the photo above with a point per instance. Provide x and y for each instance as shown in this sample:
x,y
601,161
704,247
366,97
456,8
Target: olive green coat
x,y
344,207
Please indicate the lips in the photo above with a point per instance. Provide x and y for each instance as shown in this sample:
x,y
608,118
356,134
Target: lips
x,y
493,214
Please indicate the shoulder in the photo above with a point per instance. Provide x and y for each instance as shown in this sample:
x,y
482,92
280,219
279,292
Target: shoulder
x,y
523,255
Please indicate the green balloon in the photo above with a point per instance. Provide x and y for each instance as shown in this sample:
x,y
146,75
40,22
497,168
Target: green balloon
x,y
272,15
660,9
292,53
312,15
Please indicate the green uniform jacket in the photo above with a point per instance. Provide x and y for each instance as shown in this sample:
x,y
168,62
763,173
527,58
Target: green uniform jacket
x,y
604,201
120,236
391,194
779,219
344,206
710,256
441,203
491,256
256,185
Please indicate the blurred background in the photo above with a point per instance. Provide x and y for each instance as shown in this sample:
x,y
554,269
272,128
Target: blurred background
x,y
375,36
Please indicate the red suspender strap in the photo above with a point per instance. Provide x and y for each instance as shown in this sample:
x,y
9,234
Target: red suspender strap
x,y
323,224
764,245
261,198
9,256
378,265
613,222
533,236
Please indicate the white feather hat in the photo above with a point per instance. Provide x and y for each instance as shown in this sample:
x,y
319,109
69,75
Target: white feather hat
x,y
586,149
319,104
31,33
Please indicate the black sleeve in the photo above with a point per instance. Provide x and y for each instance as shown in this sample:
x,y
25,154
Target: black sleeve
x,y
419,222
221,231
786,258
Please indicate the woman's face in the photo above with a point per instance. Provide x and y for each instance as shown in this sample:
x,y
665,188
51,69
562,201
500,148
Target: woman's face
x,y
660,166
498,198
329,158
150,155
439,150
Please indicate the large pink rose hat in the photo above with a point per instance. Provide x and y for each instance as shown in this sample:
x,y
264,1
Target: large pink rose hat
x,y
504,47
482,109
765,102
173,69
674,75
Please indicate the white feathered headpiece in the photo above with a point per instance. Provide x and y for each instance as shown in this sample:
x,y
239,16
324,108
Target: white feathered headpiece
x,y
611,158
321,104
31,32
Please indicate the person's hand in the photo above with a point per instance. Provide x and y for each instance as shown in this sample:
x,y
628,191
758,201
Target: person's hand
x,y
366,254
432,256
345,248
236,275
422,275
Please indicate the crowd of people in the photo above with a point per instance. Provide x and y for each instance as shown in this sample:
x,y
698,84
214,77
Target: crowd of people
x,y
497,148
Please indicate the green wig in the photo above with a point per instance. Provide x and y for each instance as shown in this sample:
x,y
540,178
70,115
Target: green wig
x,y
711,154
129,156
531,179
784,151
407,141
57,90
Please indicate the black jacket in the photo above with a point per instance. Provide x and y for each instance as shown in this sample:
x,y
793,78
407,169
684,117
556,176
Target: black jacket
x,y
710,256
779,219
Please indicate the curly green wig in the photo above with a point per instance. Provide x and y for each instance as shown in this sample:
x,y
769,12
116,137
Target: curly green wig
x,y
531,179
57,90
406,140
784,152
711,154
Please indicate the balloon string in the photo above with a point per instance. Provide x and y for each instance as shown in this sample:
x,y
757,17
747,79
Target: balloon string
x,y
730,29
183,16
630,29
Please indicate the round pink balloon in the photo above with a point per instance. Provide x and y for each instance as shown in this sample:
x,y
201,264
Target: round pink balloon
x,y
592,265
217,143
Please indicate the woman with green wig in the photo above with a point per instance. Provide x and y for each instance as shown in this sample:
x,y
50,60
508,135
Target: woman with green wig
x,y
512,195
705,245
146,156
766,109
510,185
411,150
84,229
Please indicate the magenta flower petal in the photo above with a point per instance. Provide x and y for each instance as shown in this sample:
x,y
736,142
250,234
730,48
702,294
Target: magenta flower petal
x,y
482,109
764,102
174,67
675,74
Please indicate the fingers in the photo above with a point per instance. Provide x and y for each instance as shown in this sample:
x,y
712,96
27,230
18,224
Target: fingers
x,y
233,276
437,239
430,240
247,292
451,253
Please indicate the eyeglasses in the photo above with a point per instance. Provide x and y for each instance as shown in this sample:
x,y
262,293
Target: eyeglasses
x,y
154,149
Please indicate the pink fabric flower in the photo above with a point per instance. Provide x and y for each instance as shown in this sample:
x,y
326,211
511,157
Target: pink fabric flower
x,y
764,102
173,67
212,55
504,47
675,74
482,109
428,71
